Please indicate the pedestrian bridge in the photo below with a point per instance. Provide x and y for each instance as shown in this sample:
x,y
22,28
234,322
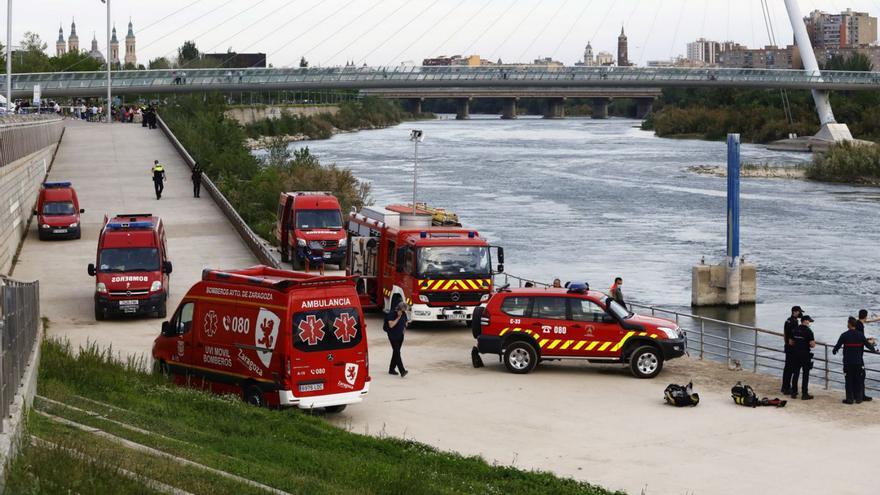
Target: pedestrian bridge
x,y
362,78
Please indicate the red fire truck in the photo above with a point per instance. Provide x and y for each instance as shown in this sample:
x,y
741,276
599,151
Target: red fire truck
x,y
309,228
276,337
442,273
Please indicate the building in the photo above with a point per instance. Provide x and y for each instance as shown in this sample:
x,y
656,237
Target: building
x,y
547,62
704,52
589,61
847,29
622,49
60,44
872,52
237,60
73,39
114,47
457,60
769,57
95,53
130,55
604,58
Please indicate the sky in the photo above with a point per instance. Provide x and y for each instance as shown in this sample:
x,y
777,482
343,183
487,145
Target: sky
x,y
388,32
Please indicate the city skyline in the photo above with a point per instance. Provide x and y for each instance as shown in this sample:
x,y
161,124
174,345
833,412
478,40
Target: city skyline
x,y
391,32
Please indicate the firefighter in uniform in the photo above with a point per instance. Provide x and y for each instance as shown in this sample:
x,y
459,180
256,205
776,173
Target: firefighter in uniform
x,y
158,178
802,341
854,342
790,325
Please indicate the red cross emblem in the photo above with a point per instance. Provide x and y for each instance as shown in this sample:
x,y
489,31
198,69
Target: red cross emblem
x,y
311,330
346,327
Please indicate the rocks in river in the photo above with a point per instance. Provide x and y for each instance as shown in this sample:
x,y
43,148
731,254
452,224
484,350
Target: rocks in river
x,y
754,171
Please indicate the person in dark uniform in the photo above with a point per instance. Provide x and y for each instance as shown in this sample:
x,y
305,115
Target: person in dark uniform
x,y
854,343
158,179
790,325
197,179
802,341
395,323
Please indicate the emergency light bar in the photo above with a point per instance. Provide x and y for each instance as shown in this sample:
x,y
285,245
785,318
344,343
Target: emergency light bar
x,y
54,185
129,225
577,288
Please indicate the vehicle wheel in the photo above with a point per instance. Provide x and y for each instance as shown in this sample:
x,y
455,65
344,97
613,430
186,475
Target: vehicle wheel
x,y
253,395
476,328
163,311
79,235
520,358
476,360
99,313
646,362
334,409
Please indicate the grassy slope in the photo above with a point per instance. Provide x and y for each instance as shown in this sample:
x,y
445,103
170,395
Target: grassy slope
x,y
286,449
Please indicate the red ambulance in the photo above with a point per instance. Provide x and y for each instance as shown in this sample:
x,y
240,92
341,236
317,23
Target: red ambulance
x,y
58,212
276,337
309,226
132,270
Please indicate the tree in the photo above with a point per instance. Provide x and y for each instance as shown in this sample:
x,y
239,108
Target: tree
x,y
32,55
160,63
73,61
187,53
32,42
856,62
303,62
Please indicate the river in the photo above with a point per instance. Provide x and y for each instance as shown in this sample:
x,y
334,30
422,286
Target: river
x,y
582,199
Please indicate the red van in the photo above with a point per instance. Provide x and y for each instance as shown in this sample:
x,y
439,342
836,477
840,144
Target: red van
x,y
58,212
276,337
309,226
132,269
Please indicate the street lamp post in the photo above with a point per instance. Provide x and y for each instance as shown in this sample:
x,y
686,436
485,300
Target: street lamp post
x,y
108,60
9,56
416,136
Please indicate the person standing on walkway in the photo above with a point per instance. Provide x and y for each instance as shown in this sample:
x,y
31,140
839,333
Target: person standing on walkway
x,y
854,343
802,342
790,325
158,178
617,292
864,320
395,326
197,179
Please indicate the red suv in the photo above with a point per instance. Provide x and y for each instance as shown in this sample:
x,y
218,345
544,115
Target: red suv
x,y
526,326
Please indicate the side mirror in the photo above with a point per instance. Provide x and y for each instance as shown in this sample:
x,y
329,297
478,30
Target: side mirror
x,y
500,256
82,210
166,267
500,268
166,329
91,270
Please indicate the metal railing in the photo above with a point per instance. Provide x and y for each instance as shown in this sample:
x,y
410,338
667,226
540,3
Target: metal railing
x,y
741,346
21,135
254,242
173,81
19,327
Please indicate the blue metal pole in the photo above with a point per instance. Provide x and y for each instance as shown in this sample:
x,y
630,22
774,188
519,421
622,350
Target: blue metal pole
x,y
733,168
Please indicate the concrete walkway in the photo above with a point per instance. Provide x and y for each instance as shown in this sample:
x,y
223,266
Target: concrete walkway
x,y
109,166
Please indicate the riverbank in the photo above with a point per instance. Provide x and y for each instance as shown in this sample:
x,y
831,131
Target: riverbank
x,y
754,171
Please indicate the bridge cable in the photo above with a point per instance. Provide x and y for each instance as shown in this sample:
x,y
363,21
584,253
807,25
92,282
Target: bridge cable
x,y
285,24
342,28
543,29
187,24
602,22
398,31
771,34
234,16
433,26
516,28
571,28
650,33
310,29
369,29
675,32
148,26
434,52
488,29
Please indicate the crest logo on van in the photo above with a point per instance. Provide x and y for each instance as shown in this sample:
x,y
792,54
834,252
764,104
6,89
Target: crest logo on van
x,y
351,372
266,334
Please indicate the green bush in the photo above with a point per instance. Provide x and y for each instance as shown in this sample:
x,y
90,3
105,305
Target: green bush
x,y
367,113
847,162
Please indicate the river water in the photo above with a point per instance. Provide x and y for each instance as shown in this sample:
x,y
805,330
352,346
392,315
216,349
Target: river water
x,y
589,200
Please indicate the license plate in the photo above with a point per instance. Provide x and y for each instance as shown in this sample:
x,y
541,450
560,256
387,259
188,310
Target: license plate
x,y
129,309
59,231
311,387
327,255
128,302
455,316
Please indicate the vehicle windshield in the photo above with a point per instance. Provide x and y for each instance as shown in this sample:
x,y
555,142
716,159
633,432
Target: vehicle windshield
x,y
318,219
619,311
58,208
129,260
453,262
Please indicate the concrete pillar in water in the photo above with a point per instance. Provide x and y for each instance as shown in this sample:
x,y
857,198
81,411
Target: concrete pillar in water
x,y
508,110
600,108
734,270
414,105
463,110
644,106
555,108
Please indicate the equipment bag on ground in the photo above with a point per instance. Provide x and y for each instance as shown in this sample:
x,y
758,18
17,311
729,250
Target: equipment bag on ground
x,y
745,395
681,396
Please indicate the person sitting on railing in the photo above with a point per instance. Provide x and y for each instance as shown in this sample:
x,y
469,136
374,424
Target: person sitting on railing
x,y
854,343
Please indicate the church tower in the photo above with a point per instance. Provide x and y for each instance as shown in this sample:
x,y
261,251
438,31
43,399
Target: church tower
x,y
73,40
60,44
114,47
589,61
130,56
622,49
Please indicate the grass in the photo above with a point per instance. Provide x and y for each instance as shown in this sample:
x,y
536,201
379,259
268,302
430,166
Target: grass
x,y
847,162
288,449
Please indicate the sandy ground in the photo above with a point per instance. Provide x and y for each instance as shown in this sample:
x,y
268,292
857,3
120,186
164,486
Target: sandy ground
x,y
768,172
590,422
